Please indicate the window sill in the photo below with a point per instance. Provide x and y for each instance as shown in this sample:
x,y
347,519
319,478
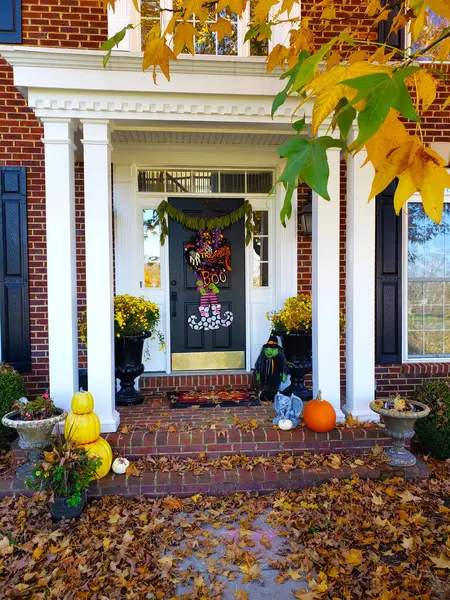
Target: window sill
x,y
427,368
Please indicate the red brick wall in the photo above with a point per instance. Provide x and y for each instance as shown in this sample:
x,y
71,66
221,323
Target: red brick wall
x,y
50,23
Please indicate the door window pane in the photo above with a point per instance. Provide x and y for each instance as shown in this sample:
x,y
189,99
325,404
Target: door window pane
x,y
261,248
152,249
428,283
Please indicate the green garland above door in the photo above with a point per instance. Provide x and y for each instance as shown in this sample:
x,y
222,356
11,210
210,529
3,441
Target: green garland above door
x,y
201,224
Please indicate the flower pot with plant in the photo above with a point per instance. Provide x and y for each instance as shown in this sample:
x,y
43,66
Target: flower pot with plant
x,y
399,416
293,324
135,320
12,388
65,472
34,421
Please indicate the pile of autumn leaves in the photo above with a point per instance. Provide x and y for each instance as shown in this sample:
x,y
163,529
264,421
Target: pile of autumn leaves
x,y
350,539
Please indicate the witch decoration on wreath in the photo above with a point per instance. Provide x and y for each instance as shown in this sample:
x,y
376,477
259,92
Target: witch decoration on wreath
x,y
208,253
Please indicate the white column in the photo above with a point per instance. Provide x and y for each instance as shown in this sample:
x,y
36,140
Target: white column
x,y
61,259
325,289
99,270
360,289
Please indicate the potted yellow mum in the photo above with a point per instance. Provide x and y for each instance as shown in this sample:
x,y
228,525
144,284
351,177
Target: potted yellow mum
x,y
293,324
135,320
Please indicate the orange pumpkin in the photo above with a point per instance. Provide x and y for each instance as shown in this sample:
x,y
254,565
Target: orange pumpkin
x,y
319,415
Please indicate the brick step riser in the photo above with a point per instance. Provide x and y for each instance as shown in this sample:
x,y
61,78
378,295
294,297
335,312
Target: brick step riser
x,y
220,482
294,448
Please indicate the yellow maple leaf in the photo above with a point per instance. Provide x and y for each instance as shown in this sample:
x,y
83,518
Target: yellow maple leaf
x,y
287,6
222,27
38,552
262,9
441,562
353,557
418,23
278,56
293,574
157,54
252,572
184,36
407,543
426,86
240,595
196,7
235,6
440,7
444,50
300,595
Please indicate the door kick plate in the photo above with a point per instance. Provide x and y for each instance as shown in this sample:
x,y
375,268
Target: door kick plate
x,y
208,361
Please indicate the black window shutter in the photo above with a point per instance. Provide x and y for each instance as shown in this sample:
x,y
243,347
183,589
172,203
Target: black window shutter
x,y
11,21
388,279
14,295
396,40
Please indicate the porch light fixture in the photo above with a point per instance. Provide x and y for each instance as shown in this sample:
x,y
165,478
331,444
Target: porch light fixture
x,y
306,216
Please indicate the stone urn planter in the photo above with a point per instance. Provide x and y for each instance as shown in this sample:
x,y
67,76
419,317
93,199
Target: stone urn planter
x,y
400,426
34,437
297,349
128,361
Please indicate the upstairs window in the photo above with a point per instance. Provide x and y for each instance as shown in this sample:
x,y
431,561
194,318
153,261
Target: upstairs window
x,y
206,42
434,27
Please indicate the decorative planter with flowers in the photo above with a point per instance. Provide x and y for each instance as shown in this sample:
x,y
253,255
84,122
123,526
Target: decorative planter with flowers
x,y
399,416
135,320
293,324
64,472
34,421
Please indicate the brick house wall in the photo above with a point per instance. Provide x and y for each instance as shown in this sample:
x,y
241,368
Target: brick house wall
x,y
49,23
83,24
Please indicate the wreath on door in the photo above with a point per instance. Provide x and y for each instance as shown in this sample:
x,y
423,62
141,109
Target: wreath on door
x,y
208,254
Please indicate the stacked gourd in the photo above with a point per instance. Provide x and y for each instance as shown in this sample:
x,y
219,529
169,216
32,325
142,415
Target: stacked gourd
x,y
83,428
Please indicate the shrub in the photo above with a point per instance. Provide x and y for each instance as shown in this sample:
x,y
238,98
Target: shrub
x,y
12,388
433,432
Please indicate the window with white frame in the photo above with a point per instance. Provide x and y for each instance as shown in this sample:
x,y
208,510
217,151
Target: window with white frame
x,y
207,42
152,248
261,248
428,284
432,29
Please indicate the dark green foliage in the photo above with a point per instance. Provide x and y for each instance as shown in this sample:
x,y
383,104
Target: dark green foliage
x,y
12,388
433,432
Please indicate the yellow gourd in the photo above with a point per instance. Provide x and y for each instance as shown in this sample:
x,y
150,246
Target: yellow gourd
x,y
82,402
82,429
102,450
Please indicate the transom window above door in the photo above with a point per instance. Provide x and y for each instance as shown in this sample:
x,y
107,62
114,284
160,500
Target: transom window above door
x,y
205,181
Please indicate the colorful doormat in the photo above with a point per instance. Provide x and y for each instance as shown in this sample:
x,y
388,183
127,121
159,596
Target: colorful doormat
x,y
209,398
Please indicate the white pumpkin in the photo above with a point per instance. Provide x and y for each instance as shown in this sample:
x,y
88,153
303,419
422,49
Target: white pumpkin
x,y
285,424
120,465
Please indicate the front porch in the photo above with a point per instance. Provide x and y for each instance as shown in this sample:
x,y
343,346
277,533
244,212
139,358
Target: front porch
x,y
83,119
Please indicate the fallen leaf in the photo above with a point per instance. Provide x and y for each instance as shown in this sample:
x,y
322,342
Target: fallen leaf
x,y
353,557
442,562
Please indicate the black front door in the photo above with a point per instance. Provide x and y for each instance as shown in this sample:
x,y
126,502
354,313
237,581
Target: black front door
x,y
207,330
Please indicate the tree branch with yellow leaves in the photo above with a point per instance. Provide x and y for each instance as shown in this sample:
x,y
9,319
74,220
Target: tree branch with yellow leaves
x,y
351,81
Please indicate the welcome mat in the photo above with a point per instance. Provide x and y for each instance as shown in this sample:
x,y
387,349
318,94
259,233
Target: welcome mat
x,y
209,398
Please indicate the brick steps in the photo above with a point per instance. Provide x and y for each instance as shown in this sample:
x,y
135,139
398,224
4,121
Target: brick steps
x,y
263,441
156,429
263,479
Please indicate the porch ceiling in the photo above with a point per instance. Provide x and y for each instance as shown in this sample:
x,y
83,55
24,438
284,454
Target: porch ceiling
x,y
198,137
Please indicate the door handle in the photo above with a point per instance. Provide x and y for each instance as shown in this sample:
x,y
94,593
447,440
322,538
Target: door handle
x,y
173,301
